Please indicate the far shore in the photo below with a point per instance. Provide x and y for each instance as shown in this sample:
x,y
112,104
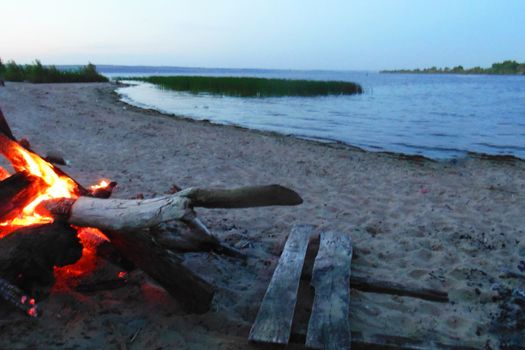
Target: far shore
x,y
451,225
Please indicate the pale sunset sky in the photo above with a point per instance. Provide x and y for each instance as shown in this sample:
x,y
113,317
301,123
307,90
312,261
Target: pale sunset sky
x,y
287,34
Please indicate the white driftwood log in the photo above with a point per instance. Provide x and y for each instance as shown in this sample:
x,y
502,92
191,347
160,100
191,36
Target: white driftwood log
x,y
126,215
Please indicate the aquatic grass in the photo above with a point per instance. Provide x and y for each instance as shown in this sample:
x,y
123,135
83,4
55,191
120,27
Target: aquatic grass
x,y
38,73
252,87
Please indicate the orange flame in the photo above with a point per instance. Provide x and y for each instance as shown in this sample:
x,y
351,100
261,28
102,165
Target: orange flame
x,y
90,239
54,186
4,174
102,184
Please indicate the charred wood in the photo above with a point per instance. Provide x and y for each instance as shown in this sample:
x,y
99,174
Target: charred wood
x,y
18,298
101,285
193,292
56,158
28,255
103,192
16,192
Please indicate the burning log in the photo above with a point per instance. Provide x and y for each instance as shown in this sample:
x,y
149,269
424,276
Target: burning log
x,y
29,254
102,190
193,292
21,159
16,192
56,158
127,223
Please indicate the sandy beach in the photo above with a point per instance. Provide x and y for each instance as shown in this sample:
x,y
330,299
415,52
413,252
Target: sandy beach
x,y
454,225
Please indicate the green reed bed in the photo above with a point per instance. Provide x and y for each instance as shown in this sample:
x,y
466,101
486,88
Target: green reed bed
x,y
253,87
38,73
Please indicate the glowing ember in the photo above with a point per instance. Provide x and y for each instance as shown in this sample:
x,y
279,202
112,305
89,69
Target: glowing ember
x,y
33,312
4,174
90,238
101,185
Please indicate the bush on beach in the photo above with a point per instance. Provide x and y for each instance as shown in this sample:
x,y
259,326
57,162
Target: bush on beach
x,y
38,73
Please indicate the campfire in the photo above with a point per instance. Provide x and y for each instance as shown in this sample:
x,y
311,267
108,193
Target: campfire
x,y
51,227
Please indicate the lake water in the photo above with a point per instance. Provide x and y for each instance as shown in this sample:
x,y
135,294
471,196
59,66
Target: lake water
x,y
437,116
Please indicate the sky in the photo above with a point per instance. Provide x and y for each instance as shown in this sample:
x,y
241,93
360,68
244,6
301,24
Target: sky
x,y
275,34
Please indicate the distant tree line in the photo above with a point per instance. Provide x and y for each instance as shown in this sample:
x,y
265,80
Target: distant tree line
x,y
506,67
38,73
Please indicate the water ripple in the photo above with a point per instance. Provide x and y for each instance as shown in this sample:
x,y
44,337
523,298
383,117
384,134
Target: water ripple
x,y
441,116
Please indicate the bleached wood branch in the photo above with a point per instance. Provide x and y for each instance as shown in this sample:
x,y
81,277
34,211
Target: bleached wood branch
x,y
130,214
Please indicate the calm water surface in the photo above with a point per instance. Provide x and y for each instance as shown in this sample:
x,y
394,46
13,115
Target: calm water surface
x,y
438,116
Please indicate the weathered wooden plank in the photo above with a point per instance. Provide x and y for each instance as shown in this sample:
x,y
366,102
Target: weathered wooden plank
x,y
329,327
274,319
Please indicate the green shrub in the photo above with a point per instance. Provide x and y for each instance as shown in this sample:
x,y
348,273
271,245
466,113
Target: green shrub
x,y
252,87
38,73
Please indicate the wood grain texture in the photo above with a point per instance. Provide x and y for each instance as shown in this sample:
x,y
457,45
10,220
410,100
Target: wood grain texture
x,y
244,197
274,319
126,215
329,326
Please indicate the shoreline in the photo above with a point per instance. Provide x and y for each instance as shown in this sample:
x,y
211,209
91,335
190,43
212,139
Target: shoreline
x,y
450,226
326,142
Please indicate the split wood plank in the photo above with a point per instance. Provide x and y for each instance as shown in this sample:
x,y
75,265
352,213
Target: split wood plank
x,y
329,327
274,319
